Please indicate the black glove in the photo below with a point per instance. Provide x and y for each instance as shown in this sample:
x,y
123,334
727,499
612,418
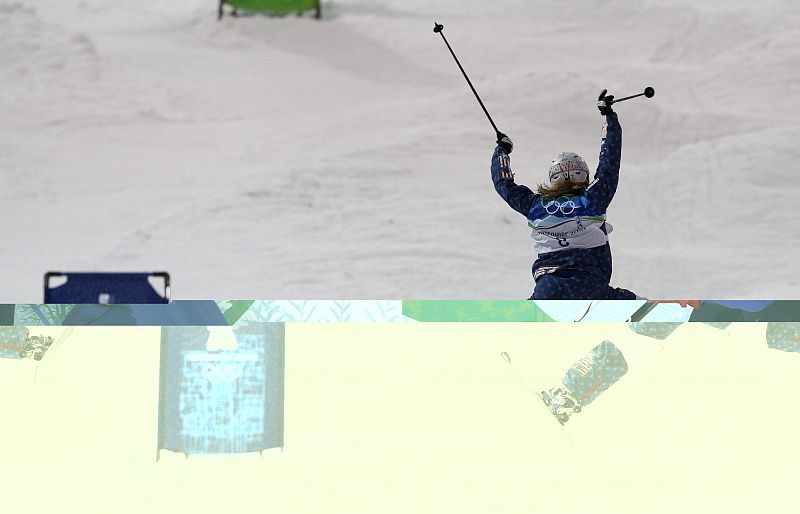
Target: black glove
x,y
604,103
505,142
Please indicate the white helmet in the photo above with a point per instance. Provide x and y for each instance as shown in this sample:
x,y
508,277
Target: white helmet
x,y
568,166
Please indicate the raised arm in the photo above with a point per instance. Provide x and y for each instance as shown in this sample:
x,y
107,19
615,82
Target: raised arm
x,y
519,197
601,190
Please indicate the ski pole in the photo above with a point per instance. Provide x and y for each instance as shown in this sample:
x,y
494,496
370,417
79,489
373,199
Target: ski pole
x,y
648,92
438,29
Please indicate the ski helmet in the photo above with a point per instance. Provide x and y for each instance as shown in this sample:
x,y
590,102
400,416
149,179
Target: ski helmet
x,y
568,166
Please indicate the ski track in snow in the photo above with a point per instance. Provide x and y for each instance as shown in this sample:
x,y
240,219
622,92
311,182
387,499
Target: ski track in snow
x,y
289,157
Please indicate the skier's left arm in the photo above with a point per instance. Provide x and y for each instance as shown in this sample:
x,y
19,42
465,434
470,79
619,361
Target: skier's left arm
x,y
601,190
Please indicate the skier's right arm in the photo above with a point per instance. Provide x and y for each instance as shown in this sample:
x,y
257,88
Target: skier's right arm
x,y
519,197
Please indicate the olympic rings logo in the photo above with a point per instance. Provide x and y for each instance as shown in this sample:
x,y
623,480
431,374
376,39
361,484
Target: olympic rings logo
x,y
564,204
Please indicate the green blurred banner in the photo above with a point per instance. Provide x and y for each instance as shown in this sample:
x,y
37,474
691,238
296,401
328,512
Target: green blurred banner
x,y
474,310
273,6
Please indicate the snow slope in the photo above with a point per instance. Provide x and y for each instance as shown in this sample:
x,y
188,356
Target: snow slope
x,y
346,158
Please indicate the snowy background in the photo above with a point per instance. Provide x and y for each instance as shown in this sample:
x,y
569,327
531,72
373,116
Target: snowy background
x,y
267,157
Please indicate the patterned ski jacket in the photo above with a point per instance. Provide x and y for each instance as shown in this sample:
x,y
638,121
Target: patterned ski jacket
x,y
569,233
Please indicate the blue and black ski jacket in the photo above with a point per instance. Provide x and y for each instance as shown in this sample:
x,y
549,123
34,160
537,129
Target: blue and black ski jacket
x,y
570,233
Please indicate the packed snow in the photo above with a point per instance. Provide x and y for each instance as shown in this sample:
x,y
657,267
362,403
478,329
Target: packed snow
x,y
288,157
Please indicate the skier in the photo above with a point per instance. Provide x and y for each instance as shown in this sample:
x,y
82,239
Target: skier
x,y
568,217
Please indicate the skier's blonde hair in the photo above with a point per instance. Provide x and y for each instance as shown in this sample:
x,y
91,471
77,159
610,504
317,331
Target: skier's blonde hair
x,y
563,189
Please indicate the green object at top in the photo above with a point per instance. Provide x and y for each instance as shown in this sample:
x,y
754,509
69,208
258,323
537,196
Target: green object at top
x,y
275,6
474,310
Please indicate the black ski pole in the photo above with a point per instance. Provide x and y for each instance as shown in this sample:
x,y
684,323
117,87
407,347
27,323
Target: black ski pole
x,y
648,92
438,29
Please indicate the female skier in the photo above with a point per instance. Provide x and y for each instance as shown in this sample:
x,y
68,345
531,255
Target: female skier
x,y
568,217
